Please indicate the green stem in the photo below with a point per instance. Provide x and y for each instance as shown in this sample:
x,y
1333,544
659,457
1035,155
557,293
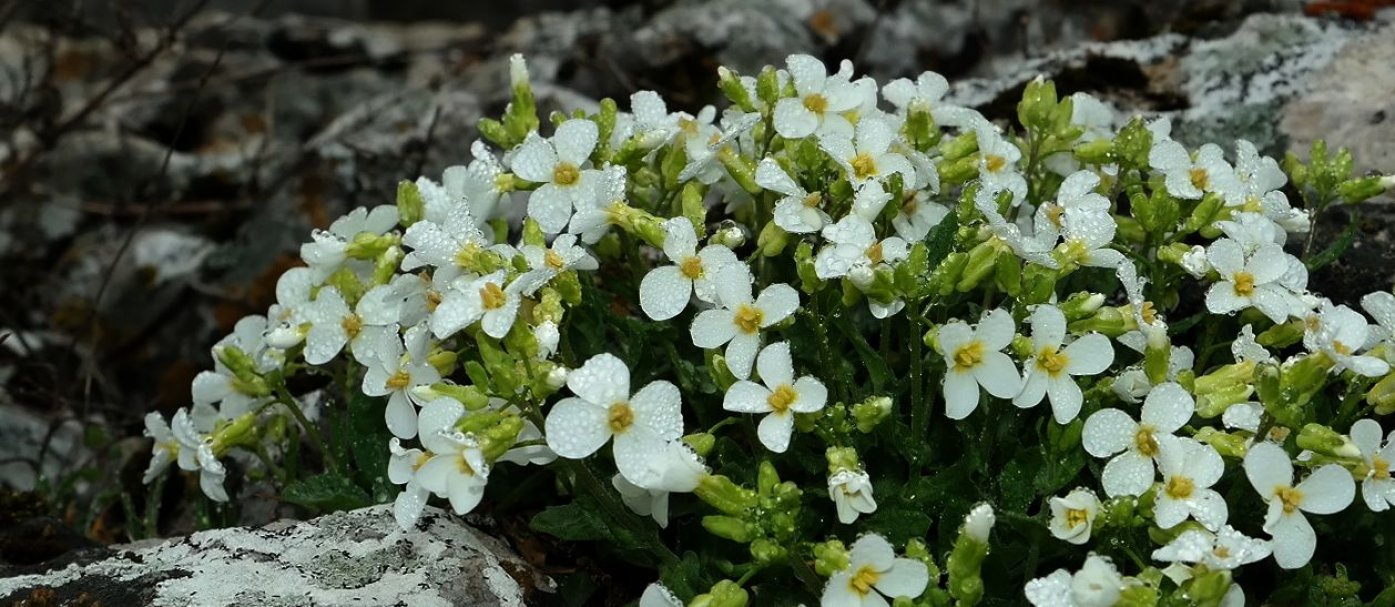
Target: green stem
x,y
920,409
284,397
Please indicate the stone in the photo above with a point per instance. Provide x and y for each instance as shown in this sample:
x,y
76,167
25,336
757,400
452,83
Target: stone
x,y
355,557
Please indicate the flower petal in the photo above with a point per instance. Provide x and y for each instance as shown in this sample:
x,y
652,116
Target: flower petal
x,y
712,328
998,375
741,354
664,292
1268,467
658,406
1327,490
777,302
602,380
1167,407
746,396
1129,473
775,366
906,578
961,394
1066,398
576,428
1089,355
1294,541
775,431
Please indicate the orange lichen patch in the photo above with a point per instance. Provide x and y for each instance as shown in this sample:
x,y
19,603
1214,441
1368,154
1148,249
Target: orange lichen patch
x,y
1356,10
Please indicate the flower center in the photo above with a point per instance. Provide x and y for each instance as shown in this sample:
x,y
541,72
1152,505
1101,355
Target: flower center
x,y
554,260
748,318
691,267
1076,517
620,417
1381,469
1180,487
816,103
910,205
421,461
1148,313
688,126
492,296
1199,178
465,257
565,173
994,163
813,199
969,355
352,325
1145,441
433,299
1341,348
1290,497
862,581
503,183
399,380
1221,552
1252,204
874,253
781,399
1244,284
1052,361
864,166
1054,212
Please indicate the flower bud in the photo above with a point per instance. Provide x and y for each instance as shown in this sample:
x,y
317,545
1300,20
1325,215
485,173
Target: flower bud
x,y
729,234
766,552
471,396
1382,395
410,206
557,377
730,84
283,336
830,557
725,593
1225,443
741,169
772,240
868,413
728,527
726,496
842,459
701,442
966,558
1326,441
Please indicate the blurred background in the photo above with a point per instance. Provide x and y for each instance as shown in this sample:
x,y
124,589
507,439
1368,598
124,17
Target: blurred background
x,y
162,160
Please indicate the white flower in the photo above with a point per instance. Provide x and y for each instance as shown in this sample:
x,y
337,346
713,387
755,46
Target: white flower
x,y
1052,365
563,255
1243,416
997,166
329,248
918,215
485,299
221,386
1097,584
653,123
780,398
852,244
456,470
1188,469
979,522
557,164
1188,178
681,473
975,359
395,371
1341,331
164,451
402,470
1381,306
641,424
798,212
1251,280
666,290
1378,488
703,151
819,100
1327,490
1225,549
739,320
1073,516
1108,431
1075,198
441,244
1261,192
923,95
851,492
548,336
866,155
593,216
195,452
874,570
480,186
657,595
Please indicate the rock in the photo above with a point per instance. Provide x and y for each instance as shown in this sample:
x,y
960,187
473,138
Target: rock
x,y
359,557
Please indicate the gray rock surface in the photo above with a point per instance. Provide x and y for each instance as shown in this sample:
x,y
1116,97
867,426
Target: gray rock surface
x,y
359,557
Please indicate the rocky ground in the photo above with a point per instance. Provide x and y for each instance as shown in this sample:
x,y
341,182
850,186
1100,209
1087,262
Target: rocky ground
x,y
161,167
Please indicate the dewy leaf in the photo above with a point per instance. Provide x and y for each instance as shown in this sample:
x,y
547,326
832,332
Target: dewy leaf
x,y
326,492
941,240
369,445
579,521
876,365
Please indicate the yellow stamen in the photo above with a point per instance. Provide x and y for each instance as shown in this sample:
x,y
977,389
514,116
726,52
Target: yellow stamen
x,y
816,103
968,355
1244,284
433,299
781,399
565,173
421,461
553,259
863,581
1341,348
691,267
1076,517
399,380
464,465
492,296
1221,552
1145,442
620,417
874,252
1199,178
1382,469
1290,497
748,318
352,325
1149,314
813,200
994,163
910,205
1052,361
1180,487
1054,212
864,166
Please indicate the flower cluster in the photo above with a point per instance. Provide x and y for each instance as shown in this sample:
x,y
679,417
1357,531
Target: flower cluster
x,y
725,297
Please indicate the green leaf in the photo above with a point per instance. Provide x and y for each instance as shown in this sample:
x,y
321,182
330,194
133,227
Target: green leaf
x,y
941,240
685,577
579,521
369,446
326,492
876,365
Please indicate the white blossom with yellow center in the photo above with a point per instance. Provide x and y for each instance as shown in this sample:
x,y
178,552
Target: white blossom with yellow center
x,y
819,101
1073,516
866,154
557,164
666,290
488,300
1189,469
874,573
1378,486
455,468
1049,372
1328,490
1137,443
740,319
973,358
1255,279
779,398
642,424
